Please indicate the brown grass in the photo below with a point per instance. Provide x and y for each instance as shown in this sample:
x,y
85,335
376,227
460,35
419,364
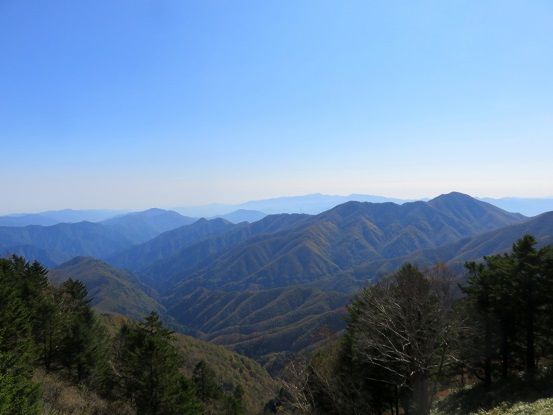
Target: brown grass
x,y
62,398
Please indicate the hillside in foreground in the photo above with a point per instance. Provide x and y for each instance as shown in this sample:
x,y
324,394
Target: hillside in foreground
x,y
273,285
511,397
229,367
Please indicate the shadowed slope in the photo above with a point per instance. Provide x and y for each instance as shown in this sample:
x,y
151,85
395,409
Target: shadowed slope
x,y
340,239
66,240
112,290
143,226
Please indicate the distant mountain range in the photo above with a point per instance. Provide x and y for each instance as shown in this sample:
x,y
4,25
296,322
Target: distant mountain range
x,y
54,217
526,206
255,210
310,204
142,226
317,203
52,245
269,286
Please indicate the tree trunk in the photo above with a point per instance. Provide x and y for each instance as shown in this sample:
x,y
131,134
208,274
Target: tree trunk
x,y
488,354
530,346
421,395
505,348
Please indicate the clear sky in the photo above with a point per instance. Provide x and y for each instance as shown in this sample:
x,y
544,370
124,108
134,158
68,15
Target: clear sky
x,y
131,104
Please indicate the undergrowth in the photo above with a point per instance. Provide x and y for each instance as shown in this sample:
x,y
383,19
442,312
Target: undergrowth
x,y
514,396
60,397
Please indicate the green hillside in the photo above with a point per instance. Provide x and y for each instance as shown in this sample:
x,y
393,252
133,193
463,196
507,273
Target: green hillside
x,y
165,261
260,323
111,290
456,253
230,368
58,356
64,241
337,240
271,286
167,244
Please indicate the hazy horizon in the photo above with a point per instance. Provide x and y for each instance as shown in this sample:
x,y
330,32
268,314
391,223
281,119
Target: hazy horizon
x,y
135,104
231,205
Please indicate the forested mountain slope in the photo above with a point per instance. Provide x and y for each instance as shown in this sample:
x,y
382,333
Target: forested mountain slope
x,y
63,241
111,290
229,368
170,254
337,240
55,244
187,307
273,285
474,248
166,244
58,356
262,322
211,312
222,290
143,226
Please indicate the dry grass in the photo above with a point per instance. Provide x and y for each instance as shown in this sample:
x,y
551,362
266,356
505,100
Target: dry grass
x,y
513,396
62,398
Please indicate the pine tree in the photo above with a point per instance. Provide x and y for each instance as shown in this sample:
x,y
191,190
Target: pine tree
x,y
84,343
479,302
515,292
207,388
150,371
18,393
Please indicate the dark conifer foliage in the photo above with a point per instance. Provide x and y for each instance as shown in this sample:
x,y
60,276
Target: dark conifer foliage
x,y
18,393
52,333
84,343
150,371
513,294
207,388
216,399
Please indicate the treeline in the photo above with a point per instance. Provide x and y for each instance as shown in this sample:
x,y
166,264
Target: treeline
x,y
419,331
53,331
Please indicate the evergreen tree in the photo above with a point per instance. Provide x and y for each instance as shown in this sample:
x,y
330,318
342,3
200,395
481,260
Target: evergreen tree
x,y
515,293
480,302
30,284
18,393
49,330
236,405
83,346
204,379
150,371
533,284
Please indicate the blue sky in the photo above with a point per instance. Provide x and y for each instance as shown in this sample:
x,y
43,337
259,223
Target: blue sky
x,y
131,104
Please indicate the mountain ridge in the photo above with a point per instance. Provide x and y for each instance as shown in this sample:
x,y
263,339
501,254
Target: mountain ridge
x,y
528,206
271,286
111,290
341,238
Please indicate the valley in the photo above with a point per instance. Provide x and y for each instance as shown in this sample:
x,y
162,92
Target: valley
x,y
275,289
267,287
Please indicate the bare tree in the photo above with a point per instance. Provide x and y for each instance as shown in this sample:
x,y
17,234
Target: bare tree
x,y
294,382
403,327
317,387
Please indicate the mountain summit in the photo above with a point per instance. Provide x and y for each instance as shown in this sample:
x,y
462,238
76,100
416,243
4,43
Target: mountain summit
x,y
322,245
